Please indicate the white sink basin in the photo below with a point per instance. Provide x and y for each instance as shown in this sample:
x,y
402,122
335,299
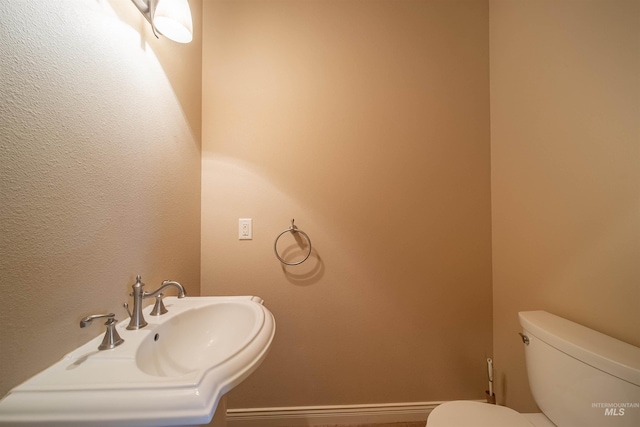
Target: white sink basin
x,y
201,338
172,372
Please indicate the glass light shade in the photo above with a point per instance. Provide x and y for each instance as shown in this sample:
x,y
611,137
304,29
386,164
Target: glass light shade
x,y
173,20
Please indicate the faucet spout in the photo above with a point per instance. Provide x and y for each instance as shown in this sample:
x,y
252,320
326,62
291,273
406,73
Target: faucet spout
x,y
165,284
137,318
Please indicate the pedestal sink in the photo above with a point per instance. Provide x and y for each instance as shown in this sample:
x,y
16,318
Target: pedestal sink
x,y
172,372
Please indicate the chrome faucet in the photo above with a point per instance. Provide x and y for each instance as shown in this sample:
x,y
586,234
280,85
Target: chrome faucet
x,y
137,318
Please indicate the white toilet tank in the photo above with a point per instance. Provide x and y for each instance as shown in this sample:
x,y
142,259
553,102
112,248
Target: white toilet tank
x,y
580,377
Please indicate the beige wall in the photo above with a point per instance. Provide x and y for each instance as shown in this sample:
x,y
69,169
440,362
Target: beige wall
x,y
565,153
99,171
367,122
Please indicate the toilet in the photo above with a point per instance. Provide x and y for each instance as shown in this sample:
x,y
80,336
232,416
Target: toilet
x,y
578,378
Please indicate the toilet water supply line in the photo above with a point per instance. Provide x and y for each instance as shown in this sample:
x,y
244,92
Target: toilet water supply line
x,y
491,397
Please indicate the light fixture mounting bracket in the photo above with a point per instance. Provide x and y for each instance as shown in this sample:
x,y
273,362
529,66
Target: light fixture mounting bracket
x,y
148,10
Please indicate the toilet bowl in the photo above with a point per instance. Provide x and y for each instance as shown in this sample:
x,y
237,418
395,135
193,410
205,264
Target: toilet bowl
x,y
465,413
578,378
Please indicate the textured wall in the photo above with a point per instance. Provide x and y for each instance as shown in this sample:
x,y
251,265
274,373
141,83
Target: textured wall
x,y
565,145
99,172
368,123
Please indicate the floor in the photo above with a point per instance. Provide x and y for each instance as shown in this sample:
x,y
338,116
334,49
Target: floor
x,y
406,424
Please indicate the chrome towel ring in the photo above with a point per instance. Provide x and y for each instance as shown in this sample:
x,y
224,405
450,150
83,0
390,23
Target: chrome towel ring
x,y
293,229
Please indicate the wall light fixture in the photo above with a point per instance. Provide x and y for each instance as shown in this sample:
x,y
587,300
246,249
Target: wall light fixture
x,y
171,18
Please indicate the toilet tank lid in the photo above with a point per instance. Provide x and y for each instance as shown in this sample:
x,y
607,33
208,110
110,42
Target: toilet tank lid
x,y
601,351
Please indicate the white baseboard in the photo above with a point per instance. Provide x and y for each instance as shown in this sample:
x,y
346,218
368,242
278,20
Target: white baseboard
x,y
300,416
